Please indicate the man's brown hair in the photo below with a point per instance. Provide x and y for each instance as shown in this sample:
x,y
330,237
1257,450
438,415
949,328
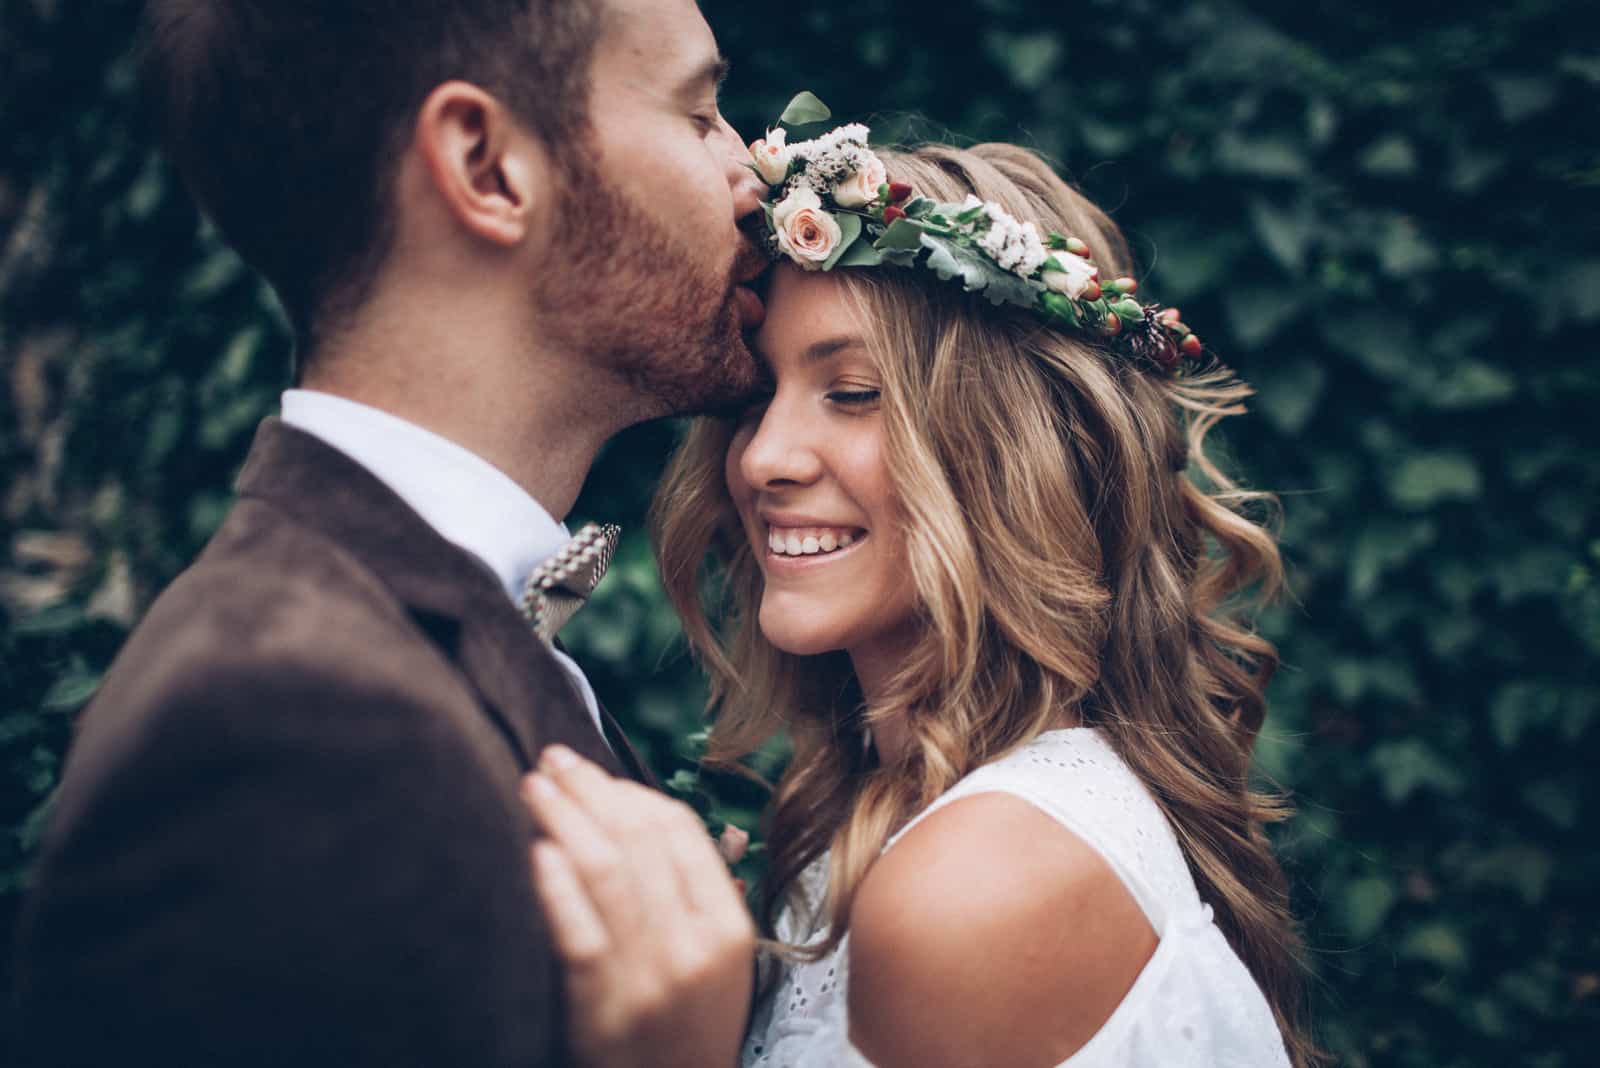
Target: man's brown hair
x,y
287,118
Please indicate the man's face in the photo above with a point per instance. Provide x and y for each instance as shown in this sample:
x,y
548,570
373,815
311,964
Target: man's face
x,y
648,260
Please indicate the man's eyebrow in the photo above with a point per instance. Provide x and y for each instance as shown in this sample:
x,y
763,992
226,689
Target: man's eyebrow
x,y
713,72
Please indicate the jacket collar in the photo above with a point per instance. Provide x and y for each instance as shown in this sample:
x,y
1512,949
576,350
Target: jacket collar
x,y
452,596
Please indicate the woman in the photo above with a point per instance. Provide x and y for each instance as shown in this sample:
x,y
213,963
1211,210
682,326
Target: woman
x,y
969,569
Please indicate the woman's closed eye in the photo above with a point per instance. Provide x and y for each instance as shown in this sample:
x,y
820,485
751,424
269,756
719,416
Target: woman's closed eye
x,y
855,398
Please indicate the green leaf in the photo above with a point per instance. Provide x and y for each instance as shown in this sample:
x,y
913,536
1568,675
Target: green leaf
x,y
1406,766
1403,250
861,253
900,234
849,231
1439,943
1365,904
1557,800
979,274
804,109
1286,234
1288,394
1522,96
1030,58
71,691
1424,480
1470,384
1382,545
1390,157
1257,312
1518,706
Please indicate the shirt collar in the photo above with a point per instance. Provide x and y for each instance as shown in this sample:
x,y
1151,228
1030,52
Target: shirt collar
x,y
470,503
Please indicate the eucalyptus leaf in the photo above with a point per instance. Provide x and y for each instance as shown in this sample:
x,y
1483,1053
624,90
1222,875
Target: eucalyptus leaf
x,y
951,259
804,110
861,253
900,234
849,231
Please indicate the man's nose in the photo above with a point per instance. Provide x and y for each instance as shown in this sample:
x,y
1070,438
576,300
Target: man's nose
x,y
748,189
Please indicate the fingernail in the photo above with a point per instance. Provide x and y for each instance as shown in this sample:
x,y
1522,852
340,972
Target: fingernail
x,y
558,757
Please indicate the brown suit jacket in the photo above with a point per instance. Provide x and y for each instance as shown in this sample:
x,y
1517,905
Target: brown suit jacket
x,y
289,829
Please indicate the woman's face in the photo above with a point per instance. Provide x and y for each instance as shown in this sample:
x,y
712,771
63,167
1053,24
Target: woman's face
x,y
806,471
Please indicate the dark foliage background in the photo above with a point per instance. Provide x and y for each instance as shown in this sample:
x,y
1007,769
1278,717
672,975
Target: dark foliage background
x,y
1384,217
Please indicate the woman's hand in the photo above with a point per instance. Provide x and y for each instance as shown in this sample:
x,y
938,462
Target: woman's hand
x,y
657,941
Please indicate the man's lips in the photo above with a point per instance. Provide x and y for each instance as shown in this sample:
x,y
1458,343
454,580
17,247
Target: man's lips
x,y
751,309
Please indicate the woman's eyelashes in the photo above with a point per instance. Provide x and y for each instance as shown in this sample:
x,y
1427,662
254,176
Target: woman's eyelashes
x,y
860,397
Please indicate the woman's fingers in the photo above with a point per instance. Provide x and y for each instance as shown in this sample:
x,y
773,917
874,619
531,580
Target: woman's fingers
x,y
579,933
592,853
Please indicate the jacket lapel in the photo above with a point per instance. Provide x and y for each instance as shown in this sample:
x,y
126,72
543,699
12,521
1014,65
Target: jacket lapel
x,y
449,594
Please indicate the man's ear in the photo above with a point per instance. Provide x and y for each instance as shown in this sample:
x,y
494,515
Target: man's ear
x,y
489,172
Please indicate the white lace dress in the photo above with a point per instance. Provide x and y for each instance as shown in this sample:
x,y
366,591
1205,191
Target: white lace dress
x,y
1194,1004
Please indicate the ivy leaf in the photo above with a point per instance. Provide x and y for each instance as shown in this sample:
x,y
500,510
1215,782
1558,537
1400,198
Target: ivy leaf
x,y
1365,904
978,274
804,110
1409,765
1426,479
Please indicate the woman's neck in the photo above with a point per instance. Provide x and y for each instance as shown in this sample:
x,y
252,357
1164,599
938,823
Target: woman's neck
x,y
876,664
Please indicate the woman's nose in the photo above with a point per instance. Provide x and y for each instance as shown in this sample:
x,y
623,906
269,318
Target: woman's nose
x,y
780,452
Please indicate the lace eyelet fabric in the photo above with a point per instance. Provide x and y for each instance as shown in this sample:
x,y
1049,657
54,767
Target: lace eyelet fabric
x,y
1194,1004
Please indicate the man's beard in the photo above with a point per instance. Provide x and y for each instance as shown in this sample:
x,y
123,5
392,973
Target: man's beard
x,y
628,293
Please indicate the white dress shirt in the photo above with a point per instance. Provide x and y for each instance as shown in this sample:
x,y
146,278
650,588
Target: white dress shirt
x,y
468,501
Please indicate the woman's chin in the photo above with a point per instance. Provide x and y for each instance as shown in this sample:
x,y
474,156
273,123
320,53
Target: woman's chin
x,y
798,637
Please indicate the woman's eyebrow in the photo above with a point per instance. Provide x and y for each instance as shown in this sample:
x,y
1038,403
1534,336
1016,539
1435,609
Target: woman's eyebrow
x,y
818,351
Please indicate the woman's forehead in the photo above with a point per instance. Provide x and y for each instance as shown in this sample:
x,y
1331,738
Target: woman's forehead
x,y
810,320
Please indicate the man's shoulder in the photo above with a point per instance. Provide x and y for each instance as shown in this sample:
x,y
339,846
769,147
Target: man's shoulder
x,y
274,618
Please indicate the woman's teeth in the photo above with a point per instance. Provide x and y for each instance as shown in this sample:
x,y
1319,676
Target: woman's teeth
x,y
809,541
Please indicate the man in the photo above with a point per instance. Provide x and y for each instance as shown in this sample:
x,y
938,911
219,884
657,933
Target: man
x,y
289,831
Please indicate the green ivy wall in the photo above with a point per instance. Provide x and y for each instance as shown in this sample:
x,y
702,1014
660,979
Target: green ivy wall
x,y
1385,218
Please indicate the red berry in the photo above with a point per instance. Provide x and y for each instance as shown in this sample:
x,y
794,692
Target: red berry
x,y
891,213
898,191
1127,285
1091,291
1112,326
1169,316
1191,346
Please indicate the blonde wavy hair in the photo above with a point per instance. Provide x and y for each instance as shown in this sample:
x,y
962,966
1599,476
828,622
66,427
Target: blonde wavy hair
x,y
1068,565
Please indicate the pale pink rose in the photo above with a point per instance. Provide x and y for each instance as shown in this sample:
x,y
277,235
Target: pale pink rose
x,y
771,155
861,188
1075,277
806,233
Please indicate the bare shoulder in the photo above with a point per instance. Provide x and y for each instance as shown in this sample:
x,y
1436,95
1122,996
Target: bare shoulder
x,y
990,934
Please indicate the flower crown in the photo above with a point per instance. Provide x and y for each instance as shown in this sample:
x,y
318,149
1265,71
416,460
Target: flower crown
x,y
831,204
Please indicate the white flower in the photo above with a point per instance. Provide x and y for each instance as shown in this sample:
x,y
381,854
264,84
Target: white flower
x,y
861,187
832,159
1075,277
772,156
1015,246
806,233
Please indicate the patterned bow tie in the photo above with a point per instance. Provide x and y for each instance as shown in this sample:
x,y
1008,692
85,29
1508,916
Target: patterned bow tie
x,y
559,586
